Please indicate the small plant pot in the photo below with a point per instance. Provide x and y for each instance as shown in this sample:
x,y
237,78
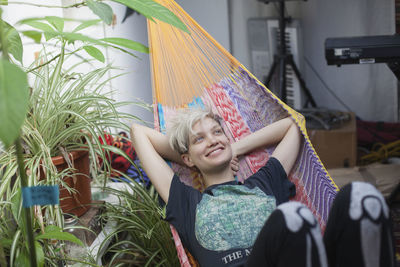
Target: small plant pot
x,y
77,202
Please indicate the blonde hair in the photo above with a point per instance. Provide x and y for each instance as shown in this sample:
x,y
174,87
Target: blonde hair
x,y
181,125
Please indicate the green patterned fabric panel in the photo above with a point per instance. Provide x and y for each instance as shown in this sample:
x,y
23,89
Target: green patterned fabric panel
x,y
232,217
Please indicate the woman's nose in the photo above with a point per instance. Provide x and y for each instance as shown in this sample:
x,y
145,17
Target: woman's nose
x,y
212,140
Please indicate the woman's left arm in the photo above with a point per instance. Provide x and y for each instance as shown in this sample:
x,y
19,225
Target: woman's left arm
x,y
284,132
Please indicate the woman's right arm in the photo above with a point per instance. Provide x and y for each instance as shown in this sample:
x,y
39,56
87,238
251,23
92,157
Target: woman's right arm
x,y
152,147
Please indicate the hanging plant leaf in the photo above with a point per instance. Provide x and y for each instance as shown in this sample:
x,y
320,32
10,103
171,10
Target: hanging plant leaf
x,y
14,97
72,37
49,32
102,10
15,47
57,22
39,25
86,24
151,9
123,50
34,35
127,44
94,52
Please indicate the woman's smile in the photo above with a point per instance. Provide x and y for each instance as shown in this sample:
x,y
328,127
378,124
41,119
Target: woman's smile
x,y
215,151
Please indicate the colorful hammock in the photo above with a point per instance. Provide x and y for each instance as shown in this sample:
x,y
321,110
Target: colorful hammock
x,y
194,70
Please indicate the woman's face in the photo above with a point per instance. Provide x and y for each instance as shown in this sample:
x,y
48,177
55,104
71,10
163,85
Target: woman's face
x,y
209,147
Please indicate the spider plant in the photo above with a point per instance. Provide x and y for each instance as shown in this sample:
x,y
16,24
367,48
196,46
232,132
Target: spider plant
x,y
68,110
141,237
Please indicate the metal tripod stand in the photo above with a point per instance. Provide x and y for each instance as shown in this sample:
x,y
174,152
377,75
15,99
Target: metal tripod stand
x,y
283,58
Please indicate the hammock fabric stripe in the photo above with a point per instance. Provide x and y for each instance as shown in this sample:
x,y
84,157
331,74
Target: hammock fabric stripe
x,y
194,70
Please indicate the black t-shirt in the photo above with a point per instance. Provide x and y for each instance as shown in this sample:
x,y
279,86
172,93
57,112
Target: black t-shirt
x,y
220,225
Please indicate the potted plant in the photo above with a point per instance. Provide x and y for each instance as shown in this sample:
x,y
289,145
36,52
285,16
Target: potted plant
x,y
141,237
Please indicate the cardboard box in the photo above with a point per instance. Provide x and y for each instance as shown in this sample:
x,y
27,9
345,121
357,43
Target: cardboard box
x,y
336,148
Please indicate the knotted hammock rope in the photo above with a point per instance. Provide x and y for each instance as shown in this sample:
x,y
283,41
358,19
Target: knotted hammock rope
x,y
191,70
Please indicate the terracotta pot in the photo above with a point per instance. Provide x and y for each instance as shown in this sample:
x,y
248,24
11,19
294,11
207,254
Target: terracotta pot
x,y
78,202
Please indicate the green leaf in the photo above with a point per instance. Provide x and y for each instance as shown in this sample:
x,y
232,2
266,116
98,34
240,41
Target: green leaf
x,y
34,35
102,10
15,47
3,260
22,259
60,236
39,254
52,228
14,96
16,205
151,9
127,44
72,37
49,32
5,242
124,50
57,22
86,24
39,25
94,52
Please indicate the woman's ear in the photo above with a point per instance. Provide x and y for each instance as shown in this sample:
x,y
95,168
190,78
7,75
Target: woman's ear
x,y
187,160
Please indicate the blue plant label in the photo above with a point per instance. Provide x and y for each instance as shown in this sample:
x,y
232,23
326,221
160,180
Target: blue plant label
x,y
40,195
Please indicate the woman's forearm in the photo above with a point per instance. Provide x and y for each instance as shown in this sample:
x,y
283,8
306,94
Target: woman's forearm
x,y
269,135
158,140
151,147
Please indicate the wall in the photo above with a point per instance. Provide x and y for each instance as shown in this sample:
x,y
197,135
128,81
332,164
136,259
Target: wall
x,y
212,15
136,83
368,90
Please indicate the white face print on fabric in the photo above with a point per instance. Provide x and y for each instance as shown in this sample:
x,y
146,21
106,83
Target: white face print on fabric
x,y
359,191
296,214
366,198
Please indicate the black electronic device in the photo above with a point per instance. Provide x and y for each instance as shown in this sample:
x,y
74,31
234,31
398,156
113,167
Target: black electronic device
x,y
364,50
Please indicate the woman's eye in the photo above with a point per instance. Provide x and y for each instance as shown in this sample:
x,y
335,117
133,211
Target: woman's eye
x,y
198,139
218,132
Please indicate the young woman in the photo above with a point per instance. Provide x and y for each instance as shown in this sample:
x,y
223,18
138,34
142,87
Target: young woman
x,y
226,224
220,225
